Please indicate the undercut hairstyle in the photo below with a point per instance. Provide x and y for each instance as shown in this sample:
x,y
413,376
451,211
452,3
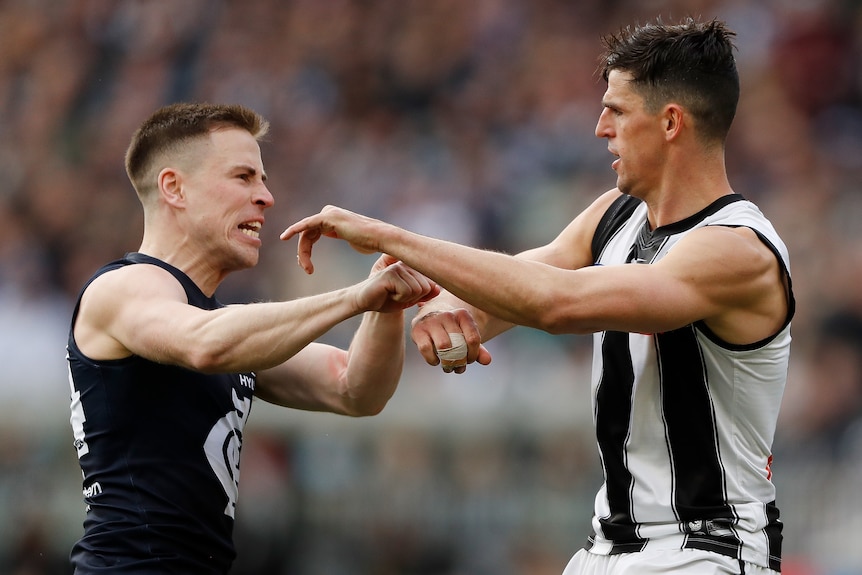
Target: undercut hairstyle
x,y
690,63
170,127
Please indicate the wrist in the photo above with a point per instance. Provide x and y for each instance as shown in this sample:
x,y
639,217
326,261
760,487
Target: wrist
x,y
430,309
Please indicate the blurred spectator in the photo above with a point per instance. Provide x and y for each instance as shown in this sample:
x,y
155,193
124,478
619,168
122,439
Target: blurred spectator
x,y
827,416
818,453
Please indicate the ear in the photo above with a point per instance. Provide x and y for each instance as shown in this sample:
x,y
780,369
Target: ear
x,y
170,181
673,121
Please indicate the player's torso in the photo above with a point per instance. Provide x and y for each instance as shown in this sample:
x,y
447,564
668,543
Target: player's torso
x,y
684,421
159,449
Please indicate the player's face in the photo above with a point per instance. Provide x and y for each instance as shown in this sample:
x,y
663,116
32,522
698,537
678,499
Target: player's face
x,y
634,135
227,198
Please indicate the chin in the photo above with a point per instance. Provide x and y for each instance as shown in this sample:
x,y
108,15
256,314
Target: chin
x,y
245,260
626,187
252,261
623,187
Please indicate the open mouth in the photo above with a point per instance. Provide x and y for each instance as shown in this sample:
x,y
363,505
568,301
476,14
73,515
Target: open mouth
x,y
251,229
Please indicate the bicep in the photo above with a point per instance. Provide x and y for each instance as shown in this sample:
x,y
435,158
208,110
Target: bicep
x,y
310,380
723,276
741,284
137,310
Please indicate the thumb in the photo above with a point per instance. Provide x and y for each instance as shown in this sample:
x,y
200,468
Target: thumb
x,y
383,262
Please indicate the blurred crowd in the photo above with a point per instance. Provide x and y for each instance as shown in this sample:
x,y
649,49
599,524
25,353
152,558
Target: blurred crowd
x,y
466,120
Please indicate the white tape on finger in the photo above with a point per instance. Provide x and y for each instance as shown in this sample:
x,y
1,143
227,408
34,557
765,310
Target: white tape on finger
x,y
455,355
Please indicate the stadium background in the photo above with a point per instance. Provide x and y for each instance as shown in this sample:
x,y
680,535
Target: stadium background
x,y
467,120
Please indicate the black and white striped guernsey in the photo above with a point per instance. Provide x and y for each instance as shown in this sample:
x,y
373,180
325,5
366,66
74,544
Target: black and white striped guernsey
x,y
159,449
685,421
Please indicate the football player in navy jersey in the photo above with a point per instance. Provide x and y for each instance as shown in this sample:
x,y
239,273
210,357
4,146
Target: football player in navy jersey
x,y
686,286
162,375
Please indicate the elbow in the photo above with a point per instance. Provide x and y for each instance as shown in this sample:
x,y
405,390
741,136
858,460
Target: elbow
x,y
558,328
561,320
206,363
547,317
360,402
370,411
366,401
549,310
210,358
367,408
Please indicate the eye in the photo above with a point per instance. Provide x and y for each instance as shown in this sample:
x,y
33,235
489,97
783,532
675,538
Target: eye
x,y
613,109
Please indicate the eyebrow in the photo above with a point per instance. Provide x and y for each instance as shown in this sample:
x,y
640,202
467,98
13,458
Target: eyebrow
x,y
251,170
609,103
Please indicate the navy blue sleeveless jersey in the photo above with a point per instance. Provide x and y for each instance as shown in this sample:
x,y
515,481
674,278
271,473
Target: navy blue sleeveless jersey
x,y
159,449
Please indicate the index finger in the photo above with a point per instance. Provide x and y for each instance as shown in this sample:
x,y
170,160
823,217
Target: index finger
x,y
308,235
294,229
304,225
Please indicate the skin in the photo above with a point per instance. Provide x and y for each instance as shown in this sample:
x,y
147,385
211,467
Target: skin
x,y
724,276
195,221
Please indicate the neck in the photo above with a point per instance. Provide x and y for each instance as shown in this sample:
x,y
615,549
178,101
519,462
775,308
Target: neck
x,y
193,264
687,189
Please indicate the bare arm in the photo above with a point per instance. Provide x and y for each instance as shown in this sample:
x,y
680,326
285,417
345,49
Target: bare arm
x,y
725,276
142,310
571,249
358,381
446,313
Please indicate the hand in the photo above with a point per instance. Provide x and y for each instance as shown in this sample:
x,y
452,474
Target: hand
x,y
336,223
394,286
430,332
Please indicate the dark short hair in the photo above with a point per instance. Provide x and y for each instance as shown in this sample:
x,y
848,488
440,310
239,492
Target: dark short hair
x,y
690,63
180,122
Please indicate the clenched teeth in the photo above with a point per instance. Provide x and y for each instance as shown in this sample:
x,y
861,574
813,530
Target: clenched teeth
x,y
251,229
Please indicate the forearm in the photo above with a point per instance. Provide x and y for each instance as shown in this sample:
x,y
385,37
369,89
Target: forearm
x,y
375,362
501,286
525,290
357,382
489,326
258,336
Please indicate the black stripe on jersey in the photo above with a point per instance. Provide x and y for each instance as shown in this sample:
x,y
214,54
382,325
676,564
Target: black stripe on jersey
x,y
773,536
613,413
614,218
727,545
617,547
698,475
699,494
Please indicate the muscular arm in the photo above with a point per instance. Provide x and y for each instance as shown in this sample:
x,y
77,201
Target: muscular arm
x,y
142,310
570,250
359,381
725,276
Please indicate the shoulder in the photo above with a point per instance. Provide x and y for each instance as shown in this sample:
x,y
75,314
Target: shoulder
x,y
731,278
133,281
746,214
733,249
734,269
111,301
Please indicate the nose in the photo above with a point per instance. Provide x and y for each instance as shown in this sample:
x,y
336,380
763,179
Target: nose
x,y
263,197
603,125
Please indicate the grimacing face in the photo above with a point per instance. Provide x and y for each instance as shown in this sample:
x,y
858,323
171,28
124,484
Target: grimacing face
x,y
226,197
